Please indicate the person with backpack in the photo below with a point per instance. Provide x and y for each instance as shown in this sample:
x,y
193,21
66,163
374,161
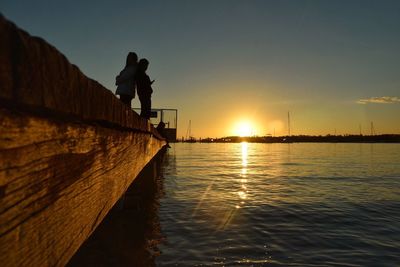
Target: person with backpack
x,y
125,81
144,89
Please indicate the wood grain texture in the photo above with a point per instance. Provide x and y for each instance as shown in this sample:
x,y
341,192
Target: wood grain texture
x,y
58,180
68,150
33,73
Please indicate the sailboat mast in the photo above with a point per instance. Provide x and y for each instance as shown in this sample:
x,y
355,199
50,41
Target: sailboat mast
x,y
288,118
188,131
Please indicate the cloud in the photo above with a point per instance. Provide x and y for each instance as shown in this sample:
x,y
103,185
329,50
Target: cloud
x,y
380,100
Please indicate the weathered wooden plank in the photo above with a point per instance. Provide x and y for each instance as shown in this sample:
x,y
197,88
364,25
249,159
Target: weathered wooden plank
x,y
68,150
35,74
58,180
129,234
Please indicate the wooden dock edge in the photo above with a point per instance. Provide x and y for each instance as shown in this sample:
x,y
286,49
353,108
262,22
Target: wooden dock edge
x,y
68,150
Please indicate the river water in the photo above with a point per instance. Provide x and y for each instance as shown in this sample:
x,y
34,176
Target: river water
x,y
300,204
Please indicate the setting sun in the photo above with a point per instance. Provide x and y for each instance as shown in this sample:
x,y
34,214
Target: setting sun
x,y
244,128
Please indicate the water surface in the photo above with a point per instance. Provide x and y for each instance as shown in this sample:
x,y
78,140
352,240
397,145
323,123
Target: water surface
x,y
281,205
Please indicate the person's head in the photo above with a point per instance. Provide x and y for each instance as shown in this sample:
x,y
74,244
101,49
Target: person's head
x,y
161,126
143,64
131,59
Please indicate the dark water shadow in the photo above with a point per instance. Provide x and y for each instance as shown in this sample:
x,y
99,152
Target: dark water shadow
x,y
130,233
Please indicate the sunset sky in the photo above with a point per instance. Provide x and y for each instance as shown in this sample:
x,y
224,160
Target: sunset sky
x,y
335,65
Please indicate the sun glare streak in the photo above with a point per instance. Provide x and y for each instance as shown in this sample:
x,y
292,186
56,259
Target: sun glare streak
x,y
242,192
203,197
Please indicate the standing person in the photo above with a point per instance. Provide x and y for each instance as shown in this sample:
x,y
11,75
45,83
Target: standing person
x,y
126,80
144,89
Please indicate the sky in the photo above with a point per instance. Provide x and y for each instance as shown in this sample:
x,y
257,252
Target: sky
x,y
238,67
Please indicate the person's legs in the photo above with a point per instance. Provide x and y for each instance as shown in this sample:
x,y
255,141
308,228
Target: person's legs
x,y
147,107
142,107
126,99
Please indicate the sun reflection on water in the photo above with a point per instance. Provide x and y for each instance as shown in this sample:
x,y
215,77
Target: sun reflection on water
x,y
253,203
242,191
234,194
244,156
243,174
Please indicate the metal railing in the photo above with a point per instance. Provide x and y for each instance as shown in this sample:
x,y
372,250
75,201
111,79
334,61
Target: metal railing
x,y
168,116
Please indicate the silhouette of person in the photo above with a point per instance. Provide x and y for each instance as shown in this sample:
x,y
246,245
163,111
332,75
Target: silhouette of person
x,y
126,80
144,89
161,128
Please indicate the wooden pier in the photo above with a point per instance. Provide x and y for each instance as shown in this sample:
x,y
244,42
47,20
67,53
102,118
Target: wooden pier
x,y
68,150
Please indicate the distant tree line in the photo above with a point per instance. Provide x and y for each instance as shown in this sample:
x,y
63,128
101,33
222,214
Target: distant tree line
x,y
383,138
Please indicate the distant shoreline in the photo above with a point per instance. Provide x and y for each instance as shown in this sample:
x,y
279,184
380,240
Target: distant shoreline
x,y
383,138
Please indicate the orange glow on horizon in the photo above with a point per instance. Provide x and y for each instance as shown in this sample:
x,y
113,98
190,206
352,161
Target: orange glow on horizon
x,y
244,128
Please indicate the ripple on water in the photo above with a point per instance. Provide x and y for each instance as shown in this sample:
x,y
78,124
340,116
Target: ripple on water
x,y
281,205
